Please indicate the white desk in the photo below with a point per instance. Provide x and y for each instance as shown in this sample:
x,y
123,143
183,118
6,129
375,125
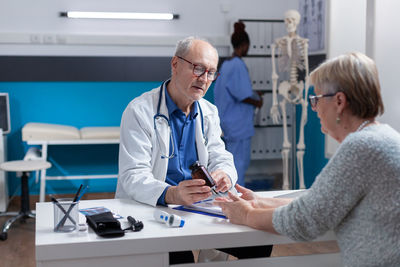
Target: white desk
x,y
150,247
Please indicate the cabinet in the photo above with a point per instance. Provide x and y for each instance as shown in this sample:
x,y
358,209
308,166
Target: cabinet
x,y
267,141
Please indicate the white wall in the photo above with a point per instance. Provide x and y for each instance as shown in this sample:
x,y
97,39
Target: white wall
x,y
35,28
371,27
346,33
387,58
347,30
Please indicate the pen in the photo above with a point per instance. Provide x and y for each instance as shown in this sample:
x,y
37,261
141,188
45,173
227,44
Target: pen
x,y
77,193
76,198
55,201
83,192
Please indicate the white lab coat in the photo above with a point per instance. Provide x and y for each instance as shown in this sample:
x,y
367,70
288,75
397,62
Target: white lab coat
x,y
142,171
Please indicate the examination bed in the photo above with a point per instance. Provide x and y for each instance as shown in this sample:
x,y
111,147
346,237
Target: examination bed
x,y
45,134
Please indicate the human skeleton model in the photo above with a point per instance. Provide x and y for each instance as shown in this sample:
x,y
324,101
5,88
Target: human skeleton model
x,y
292,58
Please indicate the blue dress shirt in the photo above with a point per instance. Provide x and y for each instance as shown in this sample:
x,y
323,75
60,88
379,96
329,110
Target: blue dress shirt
x,y
184,134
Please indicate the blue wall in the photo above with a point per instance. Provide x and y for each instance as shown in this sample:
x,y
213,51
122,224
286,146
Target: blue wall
x,y
314,157
83,104
77,104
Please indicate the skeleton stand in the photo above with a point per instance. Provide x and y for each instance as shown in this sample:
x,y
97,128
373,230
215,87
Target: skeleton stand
x,y
295,49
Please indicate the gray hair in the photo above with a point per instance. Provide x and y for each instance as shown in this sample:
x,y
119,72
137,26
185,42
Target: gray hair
x,y
183,46
356,76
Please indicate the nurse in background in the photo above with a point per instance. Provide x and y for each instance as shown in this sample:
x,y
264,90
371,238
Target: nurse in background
x,y
236,101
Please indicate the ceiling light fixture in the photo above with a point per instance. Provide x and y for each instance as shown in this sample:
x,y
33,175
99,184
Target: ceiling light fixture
x,y
118,15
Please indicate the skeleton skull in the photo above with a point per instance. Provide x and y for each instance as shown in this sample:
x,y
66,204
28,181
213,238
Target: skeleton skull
x,y
292,19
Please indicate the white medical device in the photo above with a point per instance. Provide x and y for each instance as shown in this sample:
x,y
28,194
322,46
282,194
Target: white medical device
x,y
171,220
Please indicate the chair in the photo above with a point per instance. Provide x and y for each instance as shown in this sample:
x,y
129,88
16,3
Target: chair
x,y
23,166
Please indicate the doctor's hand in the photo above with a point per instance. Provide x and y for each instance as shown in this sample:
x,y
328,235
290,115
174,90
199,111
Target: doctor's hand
x,y
187,192
222,181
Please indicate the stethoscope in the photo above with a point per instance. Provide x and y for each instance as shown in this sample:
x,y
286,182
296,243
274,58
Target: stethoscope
x,y
171,137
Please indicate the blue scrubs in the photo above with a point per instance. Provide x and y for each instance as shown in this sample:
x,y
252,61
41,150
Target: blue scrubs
x,y
231,88
183,131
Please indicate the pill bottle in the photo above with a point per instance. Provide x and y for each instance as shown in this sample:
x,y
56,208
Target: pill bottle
x,y
200,172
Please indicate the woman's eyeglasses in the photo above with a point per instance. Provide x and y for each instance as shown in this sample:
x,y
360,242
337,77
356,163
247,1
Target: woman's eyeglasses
x,y
199,70
314,98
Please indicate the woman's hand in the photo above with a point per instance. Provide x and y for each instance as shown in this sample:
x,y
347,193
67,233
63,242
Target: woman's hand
x,y
255,201
241,211
235,208
260,202
247,194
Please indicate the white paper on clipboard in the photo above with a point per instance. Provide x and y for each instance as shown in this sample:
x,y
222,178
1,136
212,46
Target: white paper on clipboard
x,y
205,206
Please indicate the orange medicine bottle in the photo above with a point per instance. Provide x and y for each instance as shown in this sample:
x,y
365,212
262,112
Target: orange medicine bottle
x,y
200,172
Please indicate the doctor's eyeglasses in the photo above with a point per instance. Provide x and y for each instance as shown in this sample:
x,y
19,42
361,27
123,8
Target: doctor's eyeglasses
x,y
199,70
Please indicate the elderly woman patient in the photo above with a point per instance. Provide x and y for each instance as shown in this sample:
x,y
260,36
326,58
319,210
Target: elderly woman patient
x,y
357,194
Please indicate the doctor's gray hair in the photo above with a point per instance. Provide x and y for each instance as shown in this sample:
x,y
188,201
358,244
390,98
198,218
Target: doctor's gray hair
x,y
183,46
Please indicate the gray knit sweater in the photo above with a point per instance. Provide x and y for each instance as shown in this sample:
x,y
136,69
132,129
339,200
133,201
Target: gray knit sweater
x,y
357,194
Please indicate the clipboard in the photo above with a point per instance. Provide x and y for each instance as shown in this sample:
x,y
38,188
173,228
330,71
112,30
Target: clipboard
x,y
204,207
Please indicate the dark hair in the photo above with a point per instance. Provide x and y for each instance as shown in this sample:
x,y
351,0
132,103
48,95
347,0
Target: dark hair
x,y
239,36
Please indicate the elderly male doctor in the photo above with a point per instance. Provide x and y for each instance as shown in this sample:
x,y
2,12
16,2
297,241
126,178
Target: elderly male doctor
x,y
170,127
166,130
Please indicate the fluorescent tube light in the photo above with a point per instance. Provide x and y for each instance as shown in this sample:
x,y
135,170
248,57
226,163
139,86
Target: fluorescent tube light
x,y
118,15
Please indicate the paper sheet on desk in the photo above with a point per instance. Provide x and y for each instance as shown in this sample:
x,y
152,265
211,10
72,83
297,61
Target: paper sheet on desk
x,y
205,207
